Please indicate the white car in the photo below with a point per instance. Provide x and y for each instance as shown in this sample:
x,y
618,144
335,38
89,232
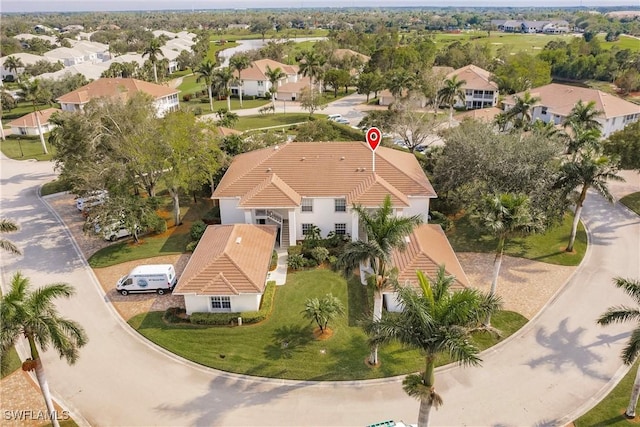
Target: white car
x,y
92,199
113,232
342,121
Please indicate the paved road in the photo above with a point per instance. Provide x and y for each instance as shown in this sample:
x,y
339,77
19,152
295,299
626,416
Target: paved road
x,y
557,364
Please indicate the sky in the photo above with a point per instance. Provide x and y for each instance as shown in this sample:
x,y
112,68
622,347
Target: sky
x,y
7,6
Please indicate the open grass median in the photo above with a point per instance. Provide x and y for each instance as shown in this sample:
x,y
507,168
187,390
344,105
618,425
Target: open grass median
x,y
632,201
283,346
26,149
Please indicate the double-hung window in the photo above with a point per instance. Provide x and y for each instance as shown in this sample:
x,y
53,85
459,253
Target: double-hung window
x,y
220,303
340,205
307,205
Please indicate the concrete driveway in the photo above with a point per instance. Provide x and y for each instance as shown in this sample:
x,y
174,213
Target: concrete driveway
x,y
553,369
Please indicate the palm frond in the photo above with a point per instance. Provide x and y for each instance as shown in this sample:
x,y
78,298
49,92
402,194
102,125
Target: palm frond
x,y
632,349
619,314
631,287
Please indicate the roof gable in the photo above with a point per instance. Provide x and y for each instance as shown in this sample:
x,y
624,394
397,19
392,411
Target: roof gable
x,y
29,120
475,78
271,192
109,87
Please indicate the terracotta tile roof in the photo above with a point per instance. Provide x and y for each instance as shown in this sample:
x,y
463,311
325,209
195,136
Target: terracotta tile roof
x,y
476,78
294,86
230,259
257,69
339,169
483,114
341,53
112,87
223,131
29,120
272,192
560,100
427,249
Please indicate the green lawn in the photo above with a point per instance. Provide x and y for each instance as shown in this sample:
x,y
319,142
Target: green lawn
x,y
26,148
548,247
283,346
23,108
266,120
632,201
53,187
248,35
190,85
610,411
624,42
203,104
10,362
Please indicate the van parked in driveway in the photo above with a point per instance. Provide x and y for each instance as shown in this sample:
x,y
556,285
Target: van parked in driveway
x,y
160,278
92,199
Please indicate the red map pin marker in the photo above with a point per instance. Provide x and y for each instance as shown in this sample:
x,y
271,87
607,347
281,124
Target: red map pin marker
x,y
374,136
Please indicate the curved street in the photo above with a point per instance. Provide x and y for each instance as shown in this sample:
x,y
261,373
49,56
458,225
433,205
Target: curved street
x,y
556,367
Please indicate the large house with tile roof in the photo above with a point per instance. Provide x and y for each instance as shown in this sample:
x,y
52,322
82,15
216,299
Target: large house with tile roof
x,y
166,98
556,102
228,270
28,124
255,81
480,91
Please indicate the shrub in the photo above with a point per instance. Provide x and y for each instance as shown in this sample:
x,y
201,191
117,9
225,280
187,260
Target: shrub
x,y
333,260
175,315
310,262
439,218
320,254
197,230
197,111
294,250
218,319
296,261
274,261
212,216
186,97
191,246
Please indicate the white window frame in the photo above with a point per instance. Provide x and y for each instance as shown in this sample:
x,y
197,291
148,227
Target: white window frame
x,y
306,228
222,301
340,205
306,205
340,225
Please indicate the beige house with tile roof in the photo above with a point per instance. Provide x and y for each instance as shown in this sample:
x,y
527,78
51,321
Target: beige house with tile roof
x,y
480,91
299,185
255,80
228,270
557,101
28,125
166,98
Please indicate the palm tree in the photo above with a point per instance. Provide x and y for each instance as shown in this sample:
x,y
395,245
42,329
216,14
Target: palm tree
x,y
385,233
452,91
274,77
32,91
520,113
153,51
8,226
398,82
620,314
32,314
589,170
583,116
222,78
311,66
12,64
322,310
239,63
504,216
435,321
206,72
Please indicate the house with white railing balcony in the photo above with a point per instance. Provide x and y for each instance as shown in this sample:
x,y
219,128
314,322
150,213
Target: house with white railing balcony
x,y
480,91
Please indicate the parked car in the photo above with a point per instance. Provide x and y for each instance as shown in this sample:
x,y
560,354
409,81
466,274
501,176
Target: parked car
x,y
113,232
159,278
334,117
92,199
342,121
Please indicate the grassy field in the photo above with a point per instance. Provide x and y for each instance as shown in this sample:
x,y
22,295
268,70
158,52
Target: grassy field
x,y
283,346
248,35
203,104
10,362
610,411
632,201
26,148
624,42
53,187
214,48
267,120
548,247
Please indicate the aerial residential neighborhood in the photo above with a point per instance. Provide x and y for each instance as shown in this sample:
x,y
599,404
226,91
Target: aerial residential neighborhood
x,y
325,216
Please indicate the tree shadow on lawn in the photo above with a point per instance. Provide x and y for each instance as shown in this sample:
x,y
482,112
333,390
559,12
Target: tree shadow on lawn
x,y
286,340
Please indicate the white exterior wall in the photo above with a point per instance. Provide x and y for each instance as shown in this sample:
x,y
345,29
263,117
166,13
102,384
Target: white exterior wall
x,y
230,213
70,107
391,301
323,216
418,206
167,104
239,303
246,302
33,131
196,303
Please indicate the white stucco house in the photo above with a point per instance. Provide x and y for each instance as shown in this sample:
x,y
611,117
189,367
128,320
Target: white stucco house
x,y
255,81
556,102
166,98
25,58
28,124
228,269
480,90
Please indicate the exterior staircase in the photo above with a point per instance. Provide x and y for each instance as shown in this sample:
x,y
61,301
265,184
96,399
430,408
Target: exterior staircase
x,y
284,234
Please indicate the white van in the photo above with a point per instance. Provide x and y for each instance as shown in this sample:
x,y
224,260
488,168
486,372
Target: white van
x,y
334,117
92,199
158,278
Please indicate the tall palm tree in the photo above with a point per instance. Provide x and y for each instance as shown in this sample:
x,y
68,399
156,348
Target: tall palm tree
x,y
520,113
589,170
583,116
153,51
222,78
311,66
12,64
33,315
205,72
630,353
504,216
239,63
398,82
385,233
452,91
274,77
8,226
33,92
435,321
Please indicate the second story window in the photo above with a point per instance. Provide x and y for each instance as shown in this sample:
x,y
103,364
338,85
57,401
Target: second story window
x,y
307,205
341,205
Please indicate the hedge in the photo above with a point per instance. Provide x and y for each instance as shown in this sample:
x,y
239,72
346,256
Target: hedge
x,y
248,317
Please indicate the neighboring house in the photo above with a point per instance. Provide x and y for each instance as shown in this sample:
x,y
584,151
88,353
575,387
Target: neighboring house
x,y
557,101
486,115
299,185
166,99
557,26
26,37
385,97
228,269
256,82
291,91
363,59
480,91
25,58
427,249
70,56
88,70
28,125
73,27
126,58
171,55
93,51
